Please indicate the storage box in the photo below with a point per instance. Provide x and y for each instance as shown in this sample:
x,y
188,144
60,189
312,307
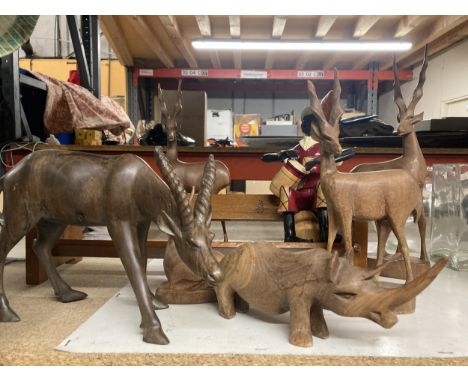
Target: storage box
x,y
219,125
283,130
246,125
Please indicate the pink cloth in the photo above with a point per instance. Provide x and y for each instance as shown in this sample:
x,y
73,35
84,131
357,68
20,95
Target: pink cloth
x,y
70,107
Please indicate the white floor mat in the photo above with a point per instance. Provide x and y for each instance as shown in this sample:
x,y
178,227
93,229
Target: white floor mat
x,y
437,329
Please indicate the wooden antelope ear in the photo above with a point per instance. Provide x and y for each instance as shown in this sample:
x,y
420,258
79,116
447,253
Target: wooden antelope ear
x,y
167,225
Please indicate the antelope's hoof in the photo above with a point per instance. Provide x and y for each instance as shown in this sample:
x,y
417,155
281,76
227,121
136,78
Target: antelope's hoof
x,y
71,295
6,313
155,335
299,339
158,305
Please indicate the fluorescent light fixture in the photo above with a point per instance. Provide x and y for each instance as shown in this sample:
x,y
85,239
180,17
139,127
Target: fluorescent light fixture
x,y
327,46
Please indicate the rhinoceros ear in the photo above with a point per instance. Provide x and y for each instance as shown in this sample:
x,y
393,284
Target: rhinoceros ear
x,y
333,267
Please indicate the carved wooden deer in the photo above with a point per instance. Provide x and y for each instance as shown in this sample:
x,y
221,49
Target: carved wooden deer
x,y
54,188
390,195
189,173
412,159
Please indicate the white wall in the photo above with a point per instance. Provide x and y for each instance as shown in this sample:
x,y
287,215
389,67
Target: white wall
x,y
446,79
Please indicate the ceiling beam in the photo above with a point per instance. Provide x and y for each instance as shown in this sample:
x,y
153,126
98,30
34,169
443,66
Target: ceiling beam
x,y
407,24
204,25
113,32
279,22
324,25
302,60
332,61
441,26
143,29
234,30
363,25
234,26
366,59
172,28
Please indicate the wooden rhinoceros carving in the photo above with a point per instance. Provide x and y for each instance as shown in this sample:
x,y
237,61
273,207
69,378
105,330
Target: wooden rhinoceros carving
x,y
276,281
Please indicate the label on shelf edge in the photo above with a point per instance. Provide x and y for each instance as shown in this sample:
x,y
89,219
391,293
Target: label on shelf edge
x,y
194,72
263,74
310,74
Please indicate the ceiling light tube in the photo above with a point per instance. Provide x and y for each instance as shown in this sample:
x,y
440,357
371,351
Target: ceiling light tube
x,y
328,46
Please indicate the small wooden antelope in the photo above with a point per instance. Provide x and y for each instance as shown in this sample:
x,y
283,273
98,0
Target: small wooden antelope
x,y
54,188
412,159
390,195
189,173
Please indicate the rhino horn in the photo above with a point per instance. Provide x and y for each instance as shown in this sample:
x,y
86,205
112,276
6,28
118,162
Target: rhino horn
x,y
398,296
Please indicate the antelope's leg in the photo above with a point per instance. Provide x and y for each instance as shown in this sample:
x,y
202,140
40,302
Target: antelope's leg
x,y
225,296
332,228
47,235
317,322
300,331
142,232
125,238
422,234
383,231
399,231
346,222
6,244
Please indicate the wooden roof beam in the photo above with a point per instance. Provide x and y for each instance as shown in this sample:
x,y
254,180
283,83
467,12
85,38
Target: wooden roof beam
x,y
407,24
279,22
113,32
363,25
324,25
204,25
145,32
366,59
302,60
172,28
234,30
441,26
332,61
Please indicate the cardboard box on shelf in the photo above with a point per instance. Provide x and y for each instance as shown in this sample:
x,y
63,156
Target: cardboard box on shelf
x,y
86,137
246,125
219,125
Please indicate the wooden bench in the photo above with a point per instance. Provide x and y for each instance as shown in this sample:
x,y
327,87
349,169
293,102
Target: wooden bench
x,y
229,207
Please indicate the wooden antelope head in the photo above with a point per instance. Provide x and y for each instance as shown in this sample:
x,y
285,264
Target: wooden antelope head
x,y
327,130
190,228
171,123
406,117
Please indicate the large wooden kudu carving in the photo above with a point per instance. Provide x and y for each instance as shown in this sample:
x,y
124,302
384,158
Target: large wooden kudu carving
x,y
54,188
189,173
391,195
412,159
275,281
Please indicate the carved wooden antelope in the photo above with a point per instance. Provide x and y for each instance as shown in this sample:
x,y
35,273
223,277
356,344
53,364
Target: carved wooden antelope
x,y
390,195
189,173
54,188
412,159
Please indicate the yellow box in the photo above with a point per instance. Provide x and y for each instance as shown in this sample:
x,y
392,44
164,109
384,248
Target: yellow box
x,y
246,125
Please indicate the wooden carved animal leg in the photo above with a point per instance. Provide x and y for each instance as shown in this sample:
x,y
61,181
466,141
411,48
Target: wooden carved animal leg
x,y
346,222
47,235
225,295
318,325
142,232
300,332
16,224
422,234
332,228
399,231
126,243
383,231
6,244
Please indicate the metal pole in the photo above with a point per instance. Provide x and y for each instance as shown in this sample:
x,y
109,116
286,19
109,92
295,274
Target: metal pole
x,y
11,108
83,68
92,47
372,87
